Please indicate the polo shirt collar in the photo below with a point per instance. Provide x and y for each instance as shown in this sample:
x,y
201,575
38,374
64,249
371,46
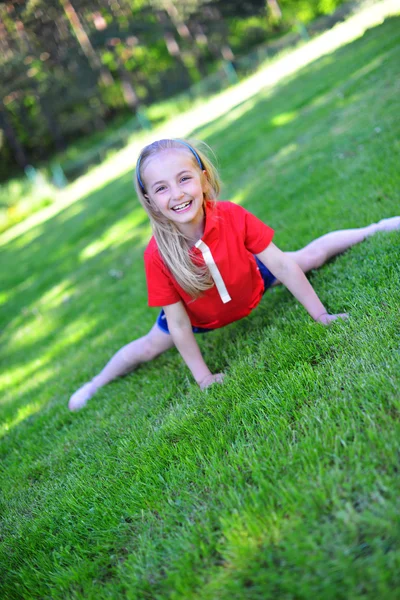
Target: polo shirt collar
x,y
211,229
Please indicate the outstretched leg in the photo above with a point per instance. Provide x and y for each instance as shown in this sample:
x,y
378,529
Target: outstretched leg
x,y
316,253
124,361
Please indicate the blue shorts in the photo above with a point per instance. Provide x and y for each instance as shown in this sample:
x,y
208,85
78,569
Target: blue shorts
x,y
267,276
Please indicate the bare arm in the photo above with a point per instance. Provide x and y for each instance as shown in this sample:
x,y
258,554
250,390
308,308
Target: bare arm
x,y
181,331
290,274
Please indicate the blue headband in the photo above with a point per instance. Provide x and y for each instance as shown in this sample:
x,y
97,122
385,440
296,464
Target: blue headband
x,y
192,150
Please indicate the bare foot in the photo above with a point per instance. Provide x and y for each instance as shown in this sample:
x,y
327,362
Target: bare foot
x,y
389,224
81,397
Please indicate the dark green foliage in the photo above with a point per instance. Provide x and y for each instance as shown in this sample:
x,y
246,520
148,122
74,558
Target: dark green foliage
x,y
68,68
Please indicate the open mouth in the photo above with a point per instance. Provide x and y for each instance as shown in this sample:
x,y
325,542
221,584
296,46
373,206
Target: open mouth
x,y
182,207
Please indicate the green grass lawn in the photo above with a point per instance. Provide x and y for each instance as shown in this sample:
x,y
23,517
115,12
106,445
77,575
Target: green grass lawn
x,y
281,483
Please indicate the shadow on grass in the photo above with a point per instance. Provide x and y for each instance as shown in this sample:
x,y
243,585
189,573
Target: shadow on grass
x,y
65,251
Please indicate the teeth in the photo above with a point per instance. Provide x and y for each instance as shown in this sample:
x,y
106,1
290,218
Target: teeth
x,y
181,206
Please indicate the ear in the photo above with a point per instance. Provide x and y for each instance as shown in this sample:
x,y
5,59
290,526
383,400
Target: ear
x,y
205,181
152,205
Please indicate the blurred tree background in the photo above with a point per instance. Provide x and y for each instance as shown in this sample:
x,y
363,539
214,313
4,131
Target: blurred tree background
x,y
71,67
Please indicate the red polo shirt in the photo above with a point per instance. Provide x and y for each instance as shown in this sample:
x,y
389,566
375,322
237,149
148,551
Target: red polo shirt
x,y
231,237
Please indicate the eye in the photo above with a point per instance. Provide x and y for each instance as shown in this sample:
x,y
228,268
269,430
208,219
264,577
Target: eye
x,y
161,188
185,178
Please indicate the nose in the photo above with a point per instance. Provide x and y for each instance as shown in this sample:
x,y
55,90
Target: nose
x,y
176,192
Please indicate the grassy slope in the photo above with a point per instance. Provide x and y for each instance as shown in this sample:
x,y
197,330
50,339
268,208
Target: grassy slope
x,y
281,483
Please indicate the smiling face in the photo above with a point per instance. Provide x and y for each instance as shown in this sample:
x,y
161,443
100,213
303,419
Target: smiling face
x,y
175,186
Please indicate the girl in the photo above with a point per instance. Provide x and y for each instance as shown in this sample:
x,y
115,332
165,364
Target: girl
x,y
209,263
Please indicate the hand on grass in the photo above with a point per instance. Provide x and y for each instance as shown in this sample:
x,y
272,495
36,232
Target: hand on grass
x,y
327,319
210,379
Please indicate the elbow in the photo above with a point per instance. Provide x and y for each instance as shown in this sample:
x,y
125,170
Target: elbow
x,y
179,327
284,270
287,271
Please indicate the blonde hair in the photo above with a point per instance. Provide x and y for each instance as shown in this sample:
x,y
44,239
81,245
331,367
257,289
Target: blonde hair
x,y
173,245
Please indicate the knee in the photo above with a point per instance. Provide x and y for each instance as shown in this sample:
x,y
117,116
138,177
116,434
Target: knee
x,y
138,351
313,258
150,349
318,257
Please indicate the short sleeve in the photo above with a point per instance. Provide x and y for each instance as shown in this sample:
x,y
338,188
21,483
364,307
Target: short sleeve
x,y
257,234
160,288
